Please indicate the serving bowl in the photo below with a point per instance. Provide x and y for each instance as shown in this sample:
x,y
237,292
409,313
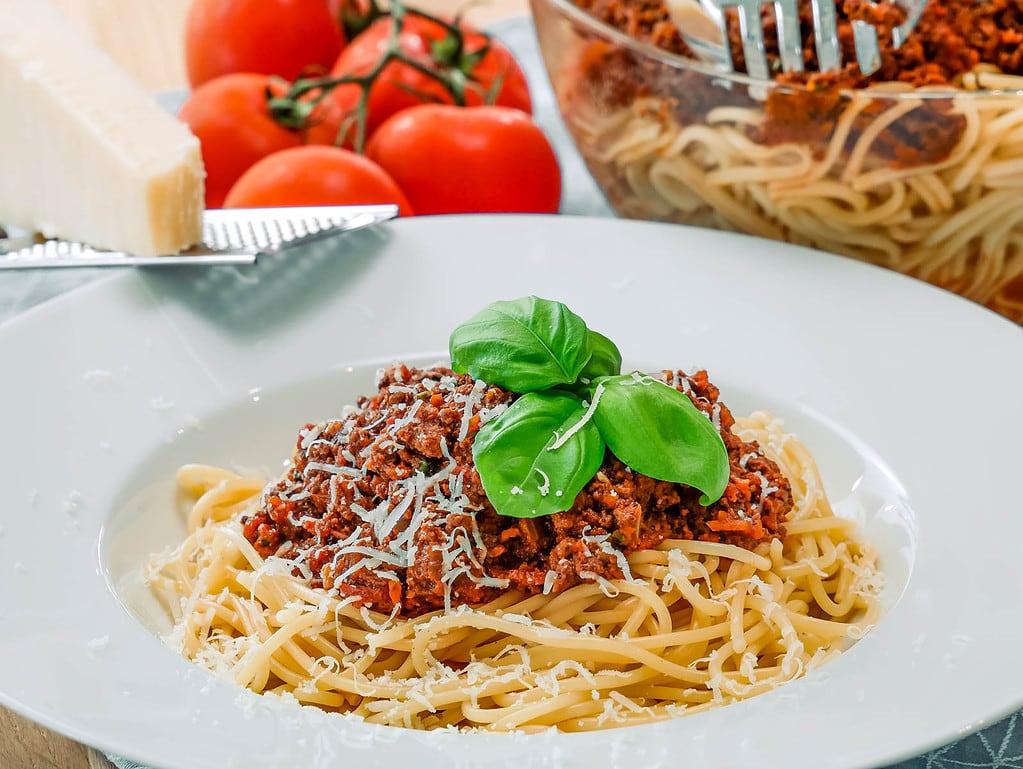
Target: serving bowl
x,y
927,181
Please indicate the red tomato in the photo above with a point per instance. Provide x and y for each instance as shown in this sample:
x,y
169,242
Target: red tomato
x,y
230,117
453,159
352,16
400,86
272,37
315,176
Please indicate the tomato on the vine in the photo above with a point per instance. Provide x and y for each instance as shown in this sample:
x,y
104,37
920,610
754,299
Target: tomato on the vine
x,y
315,175
484,65
271,37
353,16
454,159
232,121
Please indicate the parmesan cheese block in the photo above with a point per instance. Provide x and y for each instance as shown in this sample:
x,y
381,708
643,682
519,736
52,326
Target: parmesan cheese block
x,y
85,153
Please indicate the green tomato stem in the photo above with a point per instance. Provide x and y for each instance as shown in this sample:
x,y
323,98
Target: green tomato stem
x,y
451,67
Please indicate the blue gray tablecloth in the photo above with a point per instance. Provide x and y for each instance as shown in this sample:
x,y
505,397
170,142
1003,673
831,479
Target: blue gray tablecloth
x,y
1000,746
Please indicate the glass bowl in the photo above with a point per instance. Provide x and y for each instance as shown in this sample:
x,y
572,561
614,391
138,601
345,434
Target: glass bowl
x,y
925,181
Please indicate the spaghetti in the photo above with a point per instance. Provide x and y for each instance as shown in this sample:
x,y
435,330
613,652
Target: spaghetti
x,y
920,174
955,223
696,624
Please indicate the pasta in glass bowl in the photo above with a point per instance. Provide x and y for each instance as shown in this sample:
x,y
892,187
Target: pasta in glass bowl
x,y
926,179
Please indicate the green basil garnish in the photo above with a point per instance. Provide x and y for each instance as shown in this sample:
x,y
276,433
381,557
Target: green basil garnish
x,y
657,431
605,359
537,456
523,346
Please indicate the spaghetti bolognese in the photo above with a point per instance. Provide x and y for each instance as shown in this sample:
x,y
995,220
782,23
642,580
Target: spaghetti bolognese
x,y
374,578
917,167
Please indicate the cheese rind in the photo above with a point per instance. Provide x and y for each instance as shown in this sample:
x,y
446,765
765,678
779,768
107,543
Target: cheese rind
x,y
85,153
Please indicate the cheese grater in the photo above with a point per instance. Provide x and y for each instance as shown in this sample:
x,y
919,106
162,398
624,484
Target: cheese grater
x,y
230,236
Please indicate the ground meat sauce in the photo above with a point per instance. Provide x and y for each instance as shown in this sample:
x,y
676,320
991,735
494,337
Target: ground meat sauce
x,y
386,506
951,38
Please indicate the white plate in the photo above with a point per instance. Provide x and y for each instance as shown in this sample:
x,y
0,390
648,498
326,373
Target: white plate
x,y
910,398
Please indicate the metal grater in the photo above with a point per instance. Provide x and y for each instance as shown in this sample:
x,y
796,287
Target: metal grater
x,y
702,25
230,236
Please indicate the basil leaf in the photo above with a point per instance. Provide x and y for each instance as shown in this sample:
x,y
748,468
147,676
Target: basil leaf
x,y
605,358
525,345
657,431
536,457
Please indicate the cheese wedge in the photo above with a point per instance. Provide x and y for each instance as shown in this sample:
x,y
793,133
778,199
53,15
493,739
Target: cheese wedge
x,y
85,153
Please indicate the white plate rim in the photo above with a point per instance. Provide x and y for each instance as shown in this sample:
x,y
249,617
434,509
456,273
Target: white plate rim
x,y
157,316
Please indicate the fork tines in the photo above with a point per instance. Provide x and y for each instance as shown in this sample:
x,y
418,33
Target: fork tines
x,y
790,40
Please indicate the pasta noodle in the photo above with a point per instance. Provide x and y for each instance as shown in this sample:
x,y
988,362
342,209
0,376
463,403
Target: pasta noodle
x,y
956,223
862,172
700,624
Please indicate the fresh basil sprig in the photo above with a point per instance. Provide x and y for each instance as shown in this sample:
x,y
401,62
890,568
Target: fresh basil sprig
x,y
605,359
523,346
522,474
656,430
537,456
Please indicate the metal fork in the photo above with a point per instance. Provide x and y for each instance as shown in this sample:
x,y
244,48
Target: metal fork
x,y
230,236
702,24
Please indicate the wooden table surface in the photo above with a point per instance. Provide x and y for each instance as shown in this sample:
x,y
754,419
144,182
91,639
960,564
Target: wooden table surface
x,y
146,38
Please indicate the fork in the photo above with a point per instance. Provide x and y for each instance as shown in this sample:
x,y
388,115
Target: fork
x,y
703,26
230,236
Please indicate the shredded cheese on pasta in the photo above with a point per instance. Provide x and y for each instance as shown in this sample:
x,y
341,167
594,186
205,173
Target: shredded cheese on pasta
x,y
693,625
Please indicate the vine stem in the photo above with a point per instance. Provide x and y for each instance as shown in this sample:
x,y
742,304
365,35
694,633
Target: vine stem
x,y
450,66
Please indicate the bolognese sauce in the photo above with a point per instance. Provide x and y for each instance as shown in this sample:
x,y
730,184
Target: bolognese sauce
x,y
385,506
951,38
